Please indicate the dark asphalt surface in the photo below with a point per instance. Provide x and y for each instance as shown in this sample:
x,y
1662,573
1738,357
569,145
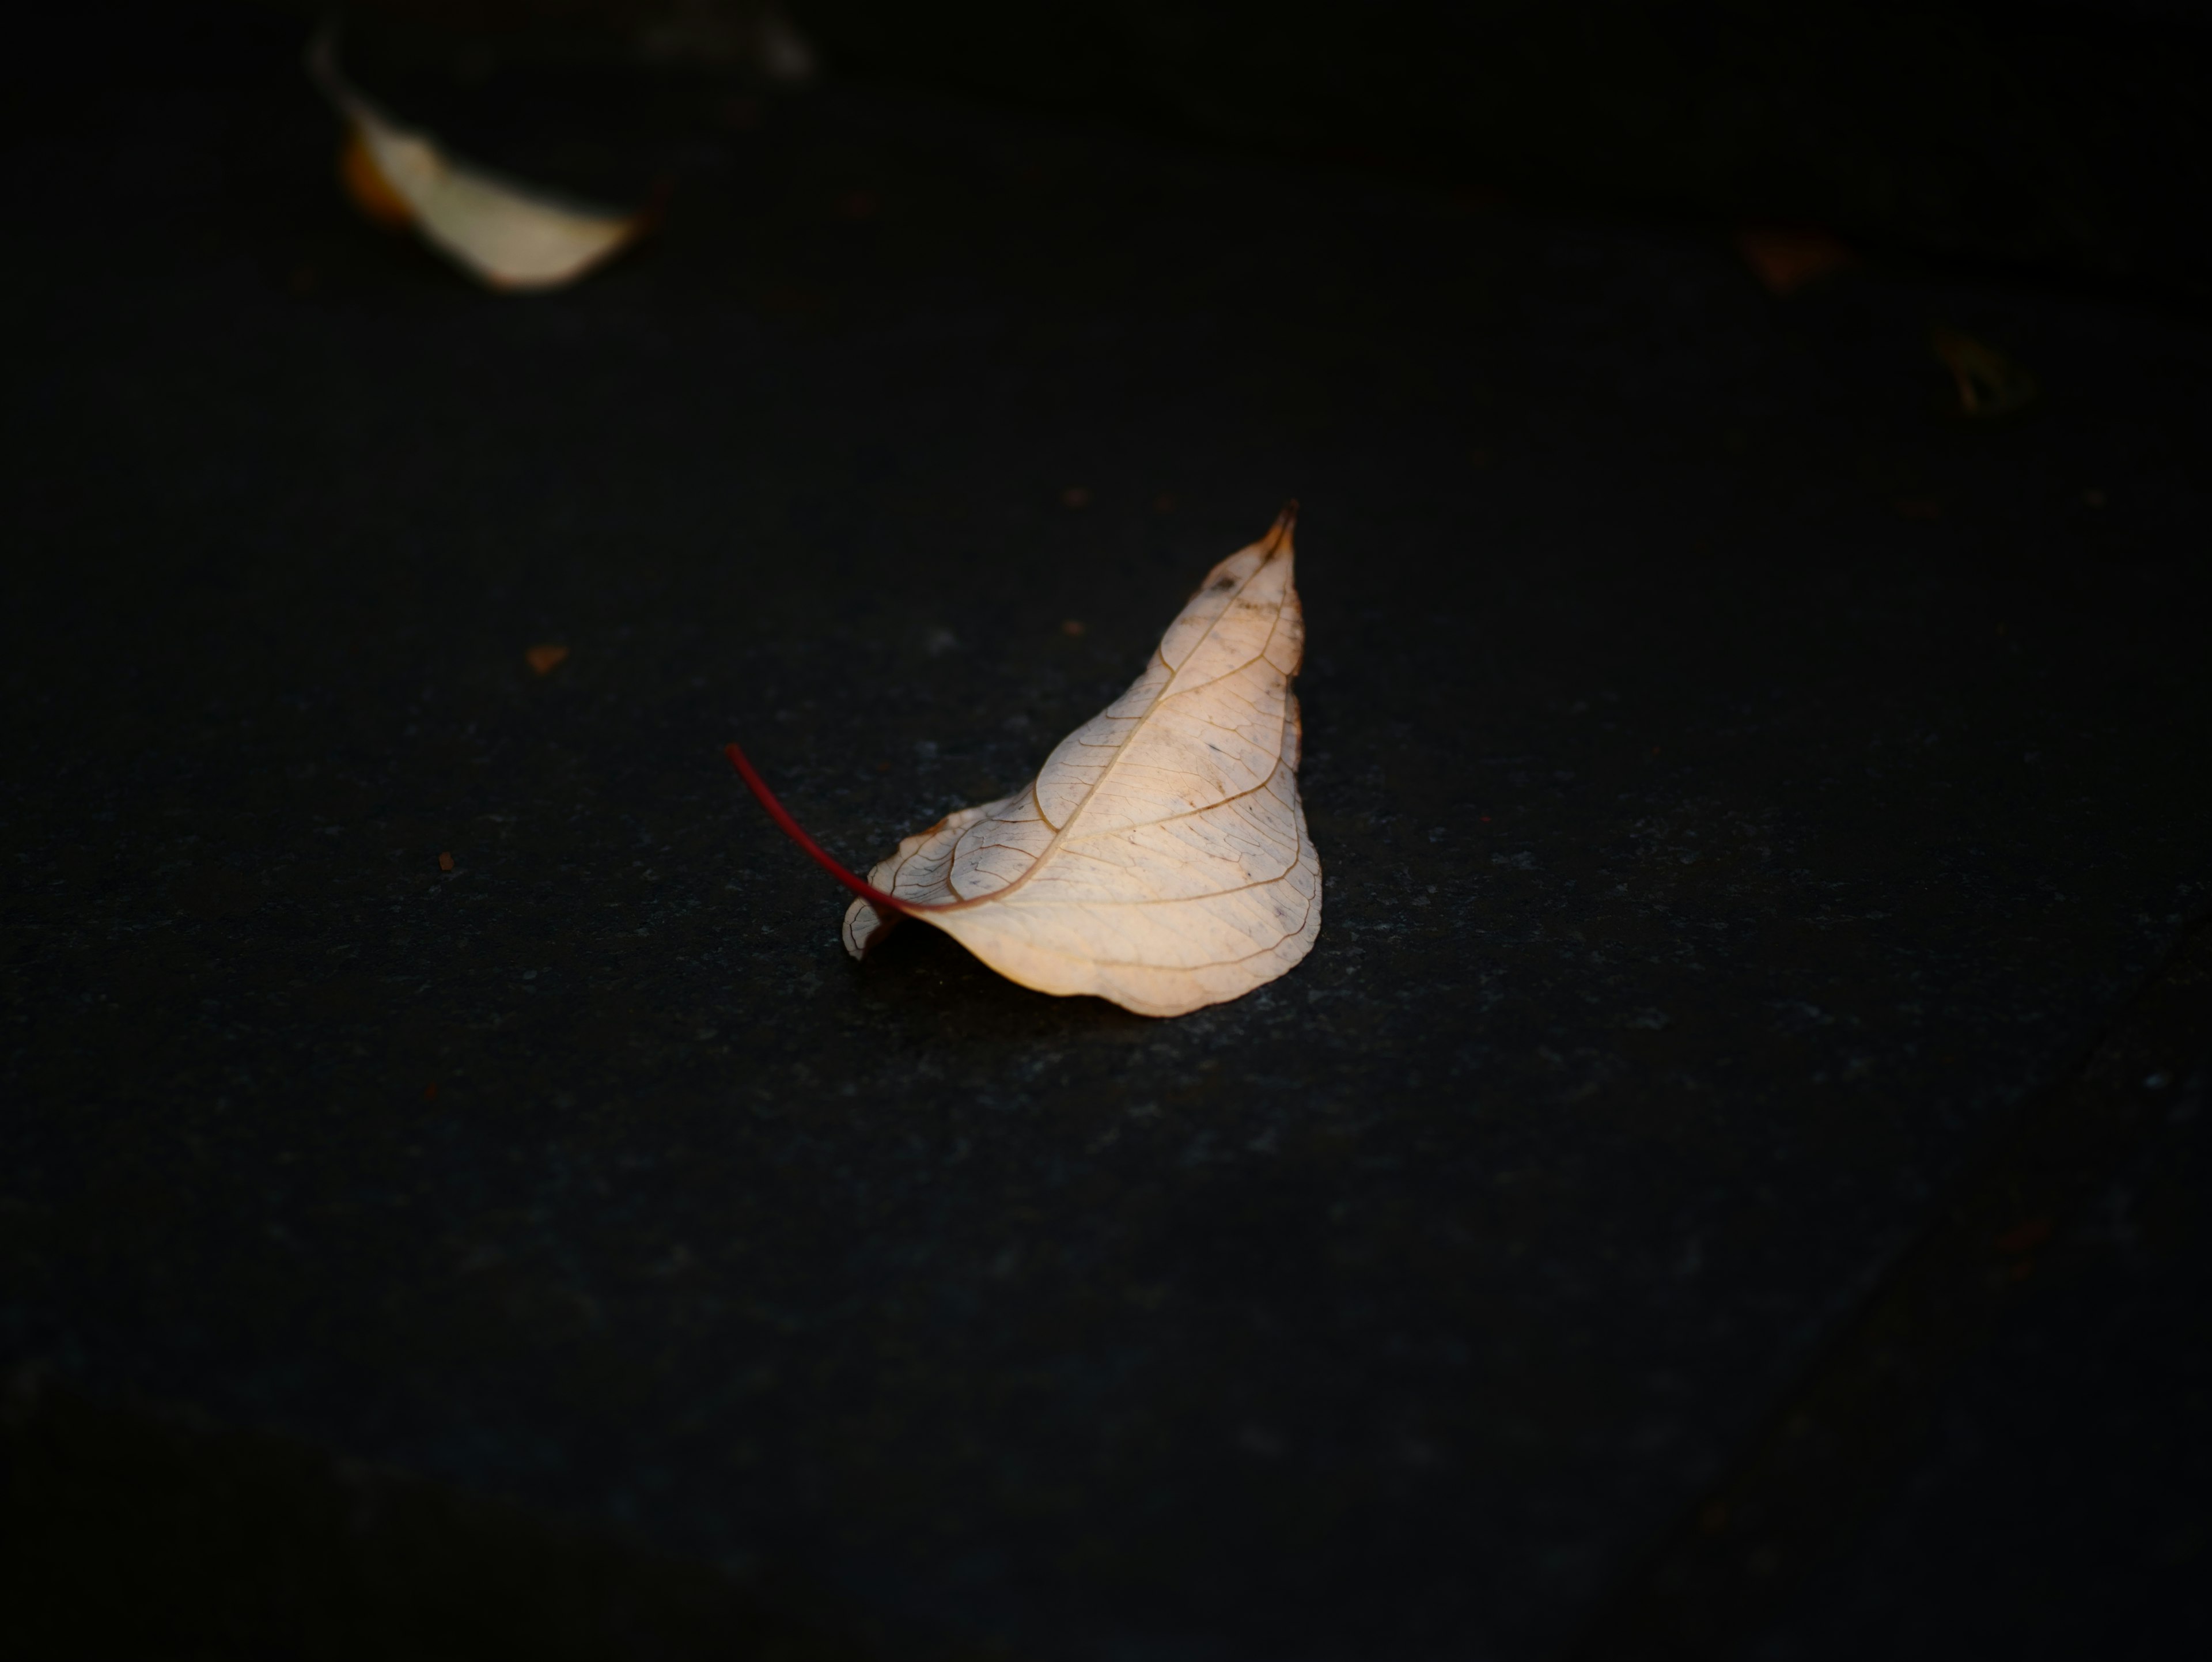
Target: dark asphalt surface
x,y
1741,790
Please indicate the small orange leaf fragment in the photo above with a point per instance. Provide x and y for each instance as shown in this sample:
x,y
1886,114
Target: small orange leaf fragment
x,y
445,862
1786,259
546,659
2026,1237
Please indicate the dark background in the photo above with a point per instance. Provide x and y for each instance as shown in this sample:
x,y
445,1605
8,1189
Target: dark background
x,y
1725,1182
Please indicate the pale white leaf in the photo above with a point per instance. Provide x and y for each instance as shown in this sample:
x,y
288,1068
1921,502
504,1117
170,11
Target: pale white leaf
x,y
1160,859
506,233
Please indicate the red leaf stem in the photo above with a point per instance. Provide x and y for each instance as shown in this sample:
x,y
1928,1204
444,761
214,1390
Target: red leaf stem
x,y
890,905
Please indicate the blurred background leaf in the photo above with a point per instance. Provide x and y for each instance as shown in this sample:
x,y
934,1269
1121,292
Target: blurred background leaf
x,y
2062,135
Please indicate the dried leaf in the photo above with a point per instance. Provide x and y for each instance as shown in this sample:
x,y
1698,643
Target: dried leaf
x,y
508,235
1161,858
546,659
1787,258
1988,384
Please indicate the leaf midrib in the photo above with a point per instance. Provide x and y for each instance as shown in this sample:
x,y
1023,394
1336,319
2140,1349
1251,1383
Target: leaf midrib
x,y
1062,833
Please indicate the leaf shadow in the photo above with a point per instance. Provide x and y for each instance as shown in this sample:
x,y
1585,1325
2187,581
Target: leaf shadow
x,y
922,973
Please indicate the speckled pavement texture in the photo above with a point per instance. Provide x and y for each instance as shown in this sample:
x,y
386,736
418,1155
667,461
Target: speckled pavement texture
x,y
1740,789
